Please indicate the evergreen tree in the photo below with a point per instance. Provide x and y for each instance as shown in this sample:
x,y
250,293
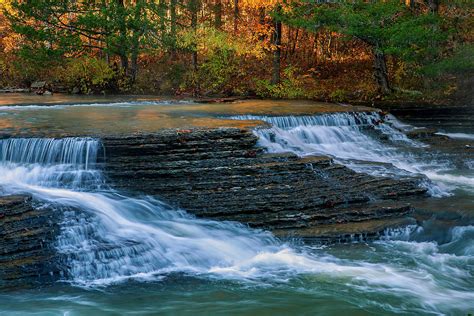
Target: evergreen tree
x,y
388,27
56,29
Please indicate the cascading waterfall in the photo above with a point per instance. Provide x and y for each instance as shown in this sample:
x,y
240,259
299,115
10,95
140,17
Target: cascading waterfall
x,y
108,237
49,162
344,136
77,151
365,142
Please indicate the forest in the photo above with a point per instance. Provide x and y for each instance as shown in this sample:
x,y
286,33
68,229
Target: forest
x,y
294,49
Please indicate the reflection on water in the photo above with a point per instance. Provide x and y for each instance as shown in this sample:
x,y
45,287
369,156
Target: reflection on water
x,y
33,99
215,267
88,115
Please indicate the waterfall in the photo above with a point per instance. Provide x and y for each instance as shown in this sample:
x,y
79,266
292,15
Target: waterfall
x,y
50,162
108,237
366,142
342,135
77,151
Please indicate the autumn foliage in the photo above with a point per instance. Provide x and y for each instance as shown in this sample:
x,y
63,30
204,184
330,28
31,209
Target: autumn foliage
x,y
329,50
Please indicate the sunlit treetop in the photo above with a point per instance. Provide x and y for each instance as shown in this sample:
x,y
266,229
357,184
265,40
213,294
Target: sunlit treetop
x,y
260,3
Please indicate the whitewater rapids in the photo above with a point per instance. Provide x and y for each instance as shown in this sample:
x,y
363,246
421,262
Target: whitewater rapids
x,y
108,237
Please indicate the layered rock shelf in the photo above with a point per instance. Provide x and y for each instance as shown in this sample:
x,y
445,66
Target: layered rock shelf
x,y
222,174
27,235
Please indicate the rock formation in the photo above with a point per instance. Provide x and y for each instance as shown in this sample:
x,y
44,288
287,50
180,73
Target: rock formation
x,y
221,174
27,235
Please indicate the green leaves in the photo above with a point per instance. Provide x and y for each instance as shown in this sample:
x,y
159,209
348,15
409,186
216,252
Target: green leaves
x,y
72,27
460,62
388,26
87,74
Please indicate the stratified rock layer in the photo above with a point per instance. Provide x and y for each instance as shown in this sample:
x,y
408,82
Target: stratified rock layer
x,y
27,236
222,174
219,174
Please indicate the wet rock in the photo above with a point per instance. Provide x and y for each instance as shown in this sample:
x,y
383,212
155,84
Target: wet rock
x,y
422,133
222,174
219,174
27,235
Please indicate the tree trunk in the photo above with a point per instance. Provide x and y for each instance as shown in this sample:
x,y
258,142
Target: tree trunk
x,y
434,6
173,4
295,41
122,43
380,72
135,40
277,50
262,22
236,15
173,28
134,64
194,8
218,14
134,56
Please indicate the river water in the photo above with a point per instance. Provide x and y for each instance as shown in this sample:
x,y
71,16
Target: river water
x,y
135,255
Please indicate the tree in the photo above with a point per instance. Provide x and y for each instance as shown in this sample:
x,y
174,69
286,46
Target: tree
x,y
60,29
236,15
276,65
434,6
218,14
194,6
388,28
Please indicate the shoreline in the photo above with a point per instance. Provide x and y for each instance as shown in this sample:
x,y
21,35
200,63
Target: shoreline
x,y
384,104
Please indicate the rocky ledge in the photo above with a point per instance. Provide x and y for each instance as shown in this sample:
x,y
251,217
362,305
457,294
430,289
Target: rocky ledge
x,y
222,174
27,235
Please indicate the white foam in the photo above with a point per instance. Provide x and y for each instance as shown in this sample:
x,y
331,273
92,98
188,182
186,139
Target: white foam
x,y
358,140
457,135
124,104
108,237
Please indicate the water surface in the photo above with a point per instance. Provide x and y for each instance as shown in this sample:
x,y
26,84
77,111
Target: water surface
x,y
135,255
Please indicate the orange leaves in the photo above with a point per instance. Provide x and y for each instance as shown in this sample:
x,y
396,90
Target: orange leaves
x,y
259,3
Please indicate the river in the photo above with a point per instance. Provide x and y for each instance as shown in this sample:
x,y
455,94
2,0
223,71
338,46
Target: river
x,y
136,255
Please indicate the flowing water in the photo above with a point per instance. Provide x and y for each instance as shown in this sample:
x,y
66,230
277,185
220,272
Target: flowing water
x,y
365,142
136,255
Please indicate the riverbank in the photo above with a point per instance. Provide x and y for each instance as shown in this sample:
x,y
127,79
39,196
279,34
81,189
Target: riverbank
x,y
20,96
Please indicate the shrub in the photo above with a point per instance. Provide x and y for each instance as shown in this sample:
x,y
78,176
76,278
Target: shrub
x,y
338,95
220,61
87,74
291,87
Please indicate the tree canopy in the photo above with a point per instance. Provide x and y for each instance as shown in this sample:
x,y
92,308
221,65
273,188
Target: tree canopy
x,y
332,50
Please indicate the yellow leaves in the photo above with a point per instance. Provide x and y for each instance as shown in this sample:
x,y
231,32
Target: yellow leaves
x,y
207,40
5,5
10,42
259,3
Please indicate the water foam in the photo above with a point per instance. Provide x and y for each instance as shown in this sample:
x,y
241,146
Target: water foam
x,y
108,237
457,135
366,142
